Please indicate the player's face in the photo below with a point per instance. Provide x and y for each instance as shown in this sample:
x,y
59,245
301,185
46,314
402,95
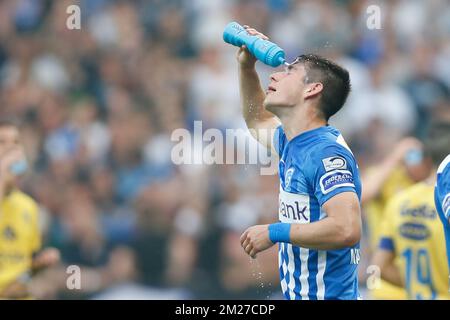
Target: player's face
x,y
286,88
9,138
421,171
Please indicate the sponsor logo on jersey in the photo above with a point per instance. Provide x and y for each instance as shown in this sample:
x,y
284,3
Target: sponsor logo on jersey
x,y
334,163
414,231
422,211
11,257
336,179
293,208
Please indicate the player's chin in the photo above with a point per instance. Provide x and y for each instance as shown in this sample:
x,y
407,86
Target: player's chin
x,y
271,103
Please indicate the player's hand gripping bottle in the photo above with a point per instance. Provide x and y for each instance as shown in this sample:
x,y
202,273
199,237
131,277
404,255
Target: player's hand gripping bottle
x,y
263,50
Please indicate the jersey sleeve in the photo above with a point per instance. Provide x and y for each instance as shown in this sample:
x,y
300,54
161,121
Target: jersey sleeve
x,y
332,170
443,188
387,234
279,140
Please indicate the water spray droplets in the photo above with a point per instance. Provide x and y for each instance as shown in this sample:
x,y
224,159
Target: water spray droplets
x,y
258,275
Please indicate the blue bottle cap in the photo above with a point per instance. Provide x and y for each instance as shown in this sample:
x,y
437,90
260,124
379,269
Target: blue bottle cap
x,y
413,157
18,168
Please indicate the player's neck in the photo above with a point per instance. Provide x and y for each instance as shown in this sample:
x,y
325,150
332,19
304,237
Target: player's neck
x,y
7,190
297,122
4,194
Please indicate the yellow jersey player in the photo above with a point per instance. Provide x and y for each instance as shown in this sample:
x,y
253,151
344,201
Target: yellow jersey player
x,y
412,244
19,230
400,170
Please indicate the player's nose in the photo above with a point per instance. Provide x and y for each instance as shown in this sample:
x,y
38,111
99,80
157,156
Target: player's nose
x,y
275,76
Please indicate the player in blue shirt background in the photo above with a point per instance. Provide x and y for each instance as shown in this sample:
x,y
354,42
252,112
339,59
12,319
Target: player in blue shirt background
x,y
442,193
319,203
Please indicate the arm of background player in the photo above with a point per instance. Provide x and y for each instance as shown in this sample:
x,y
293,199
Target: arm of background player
x,y
341,228
261,122
44,259
373,180
384,256
384,259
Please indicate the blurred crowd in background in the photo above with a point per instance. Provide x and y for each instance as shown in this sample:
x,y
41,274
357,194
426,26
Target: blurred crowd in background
x,y
98,107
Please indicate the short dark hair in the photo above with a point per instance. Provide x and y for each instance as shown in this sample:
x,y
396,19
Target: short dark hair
x,y
334,78
437,141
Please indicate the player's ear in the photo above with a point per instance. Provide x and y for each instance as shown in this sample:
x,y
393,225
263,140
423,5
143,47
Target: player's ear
x,y
312,90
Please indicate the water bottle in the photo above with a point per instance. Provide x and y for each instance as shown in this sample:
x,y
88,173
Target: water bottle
x,y
264,50
413,157
19,168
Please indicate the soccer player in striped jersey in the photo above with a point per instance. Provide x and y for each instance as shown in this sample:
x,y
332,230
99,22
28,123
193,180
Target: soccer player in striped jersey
x,y
319,224
442,200
442,197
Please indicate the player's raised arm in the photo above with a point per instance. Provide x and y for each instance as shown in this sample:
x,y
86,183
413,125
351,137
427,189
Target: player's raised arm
x,y
374,179
260,122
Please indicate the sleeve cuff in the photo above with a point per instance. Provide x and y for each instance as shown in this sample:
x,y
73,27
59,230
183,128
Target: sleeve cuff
x,y
387,243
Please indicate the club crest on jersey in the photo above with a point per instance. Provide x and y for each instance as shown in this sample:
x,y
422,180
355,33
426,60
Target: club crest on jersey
x,y
288,177
334,163
336,179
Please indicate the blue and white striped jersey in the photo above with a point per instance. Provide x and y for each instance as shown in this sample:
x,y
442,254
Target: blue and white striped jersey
x,y
315,166
442,199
